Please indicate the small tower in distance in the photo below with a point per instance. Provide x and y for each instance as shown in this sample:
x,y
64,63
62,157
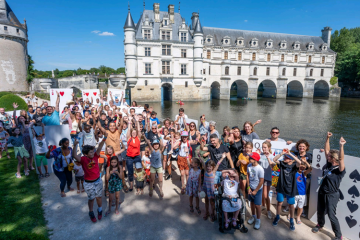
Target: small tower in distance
x,y
198,51
130,50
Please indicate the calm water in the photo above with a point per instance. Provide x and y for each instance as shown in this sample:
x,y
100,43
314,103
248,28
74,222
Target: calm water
x,y
304,118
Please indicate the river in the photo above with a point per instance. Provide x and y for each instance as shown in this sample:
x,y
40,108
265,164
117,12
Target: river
x,y
304,118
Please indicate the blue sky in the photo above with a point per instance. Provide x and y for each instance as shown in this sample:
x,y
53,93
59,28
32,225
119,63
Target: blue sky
x,y
62,36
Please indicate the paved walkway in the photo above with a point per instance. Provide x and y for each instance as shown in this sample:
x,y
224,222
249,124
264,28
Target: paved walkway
x,y
142,217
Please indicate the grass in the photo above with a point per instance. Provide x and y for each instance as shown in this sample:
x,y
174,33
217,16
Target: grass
x,y
21,207
45,96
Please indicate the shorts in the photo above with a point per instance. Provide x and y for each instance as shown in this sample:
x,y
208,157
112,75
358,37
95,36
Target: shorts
x,y
257,199
182,163
123,156
156,170
165,152
41,159
217,178
147,171
300,201
79,178
280,198
139,184
267,183
101,160
142,147
243,176
93,189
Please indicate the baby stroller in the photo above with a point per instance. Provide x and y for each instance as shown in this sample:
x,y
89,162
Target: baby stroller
x,y
220,213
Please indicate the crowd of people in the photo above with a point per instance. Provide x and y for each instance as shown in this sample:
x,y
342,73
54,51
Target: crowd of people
x,y
108,139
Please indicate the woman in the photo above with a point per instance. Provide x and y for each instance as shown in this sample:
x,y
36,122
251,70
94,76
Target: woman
x,y
62,160
134,104
212,129
75,126
328,195
302,147
236,145
194,136
248,134
225,136
133,150
64,116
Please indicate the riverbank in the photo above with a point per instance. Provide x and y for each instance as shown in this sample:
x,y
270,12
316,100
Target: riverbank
x,y
21,207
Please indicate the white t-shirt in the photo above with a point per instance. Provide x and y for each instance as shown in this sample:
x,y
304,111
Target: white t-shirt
x,y
164,140
181,122
184,149
146,161
104,146
266,166
230,187
89,138
40,146
79,171
255,173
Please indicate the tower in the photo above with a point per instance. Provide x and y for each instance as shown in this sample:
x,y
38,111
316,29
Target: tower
x,y
130,51
13,54
198,51
326,35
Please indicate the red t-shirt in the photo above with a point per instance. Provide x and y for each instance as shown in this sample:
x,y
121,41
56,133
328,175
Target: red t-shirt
x,y
91,167
133,149
108,158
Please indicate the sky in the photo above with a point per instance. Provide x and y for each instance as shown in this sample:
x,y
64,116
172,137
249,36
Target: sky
x,y
69,34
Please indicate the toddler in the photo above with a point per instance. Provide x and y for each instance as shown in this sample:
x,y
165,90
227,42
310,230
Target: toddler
x,y
79,176
146,163
140,177
193,185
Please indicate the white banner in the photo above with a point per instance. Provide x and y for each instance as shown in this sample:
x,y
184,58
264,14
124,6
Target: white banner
x,y
65,95
91,93
53,135
347,211
116,94
276,146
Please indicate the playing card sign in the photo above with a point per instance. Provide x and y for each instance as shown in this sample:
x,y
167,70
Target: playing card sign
x,y
91,93
116,94
347,211
65,95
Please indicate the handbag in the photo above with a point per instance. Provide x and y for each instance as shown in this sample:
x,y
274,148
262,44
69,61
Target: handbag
x,y
69,165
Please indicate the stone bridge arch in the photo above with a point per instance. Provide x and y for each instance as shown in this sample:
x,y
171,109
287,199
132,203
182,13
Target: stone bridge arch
x,y
215,90
239,89
267,89
295,89
321,88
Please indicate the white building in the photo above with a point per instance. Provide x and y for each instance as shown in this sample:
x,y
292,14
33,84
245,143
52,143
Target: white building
x,y
167,59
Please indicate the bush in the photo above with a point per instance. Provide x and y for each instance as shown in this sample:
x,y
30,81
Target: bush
x,y
20,235
4,93
7,101
45,96
333,80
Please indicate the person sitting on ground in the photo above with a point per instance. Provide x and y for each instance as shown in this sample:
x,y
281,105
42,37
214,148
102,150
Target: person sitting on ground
x,y
275,133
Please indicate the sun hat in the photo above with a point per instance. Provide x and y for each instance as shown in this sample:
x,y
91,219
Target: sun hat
x,y
184,134
255,156
155,142
138,165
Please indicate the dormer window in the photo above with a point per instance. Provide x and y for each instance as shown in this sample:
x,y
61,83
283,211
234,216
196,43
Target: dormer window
x,y
254,42
165,23
18,30
310,46
226,40
324,47
283,44
208,39
147,34
269,43
296,45
165,35
240,41
183,37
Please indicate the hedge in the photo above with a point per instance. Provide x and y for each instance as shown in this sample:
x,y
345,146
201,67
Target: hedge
x,y
7,101
4,93
20,235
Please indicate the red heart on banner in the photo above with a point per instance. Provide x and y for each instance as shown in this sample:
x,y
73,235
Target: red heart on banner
x,y
62,94
87,94
94,93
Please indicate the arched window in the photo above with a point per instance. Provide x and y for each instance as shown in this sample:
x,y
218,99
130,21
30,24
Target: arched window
x,y
311,72
296,58
226,70
146,82
268,57
284,71
254,56
255,71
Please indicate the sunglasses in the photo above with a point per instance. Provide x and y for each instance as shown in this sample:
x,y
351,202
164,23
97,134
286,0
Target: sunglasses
x,y
192,125
275,132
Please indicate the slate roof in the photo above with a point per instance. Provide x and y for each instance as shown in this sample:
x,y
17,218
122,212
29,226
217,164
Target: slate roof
x,y
129,23
219,33
9,17
198,28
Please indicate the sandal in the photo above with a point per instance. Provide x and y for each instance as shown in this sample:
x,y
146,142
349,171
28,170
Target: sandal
x,y
227,223
234,222
206,216
17,176
107,213
198,210
26,173
298,222
182,191
47,174
191,209
126,189
40,176
213,218
32,169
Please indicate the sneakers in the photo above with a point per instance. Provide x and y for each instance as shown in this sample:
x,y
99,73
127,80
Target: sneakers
x,y
168,177
92,217
292,224
99,215
276,220
269,215
257,224
251,220
303,214
286,209
316,229
164,172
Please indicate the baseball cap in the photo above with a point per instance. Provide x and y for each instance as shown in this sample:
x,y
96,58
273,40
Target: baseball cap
x,y
255,156
184,134
138,165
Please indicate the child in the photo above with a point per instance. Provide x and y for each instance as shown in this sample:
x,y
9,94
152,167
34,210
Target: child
x,y
286,186
3,138
114,174
185,154
20,152
255,181
79,176
172,150
146,163
209,186
266,162
300,199
41,150
140,177
243,163
193,186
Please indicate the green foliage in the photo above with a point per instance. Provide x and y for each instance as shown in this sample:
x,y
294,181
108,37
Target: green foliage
x,y
45,96
4,93
67,73
7,101
103,79
30,71
21,203
333,80
346,43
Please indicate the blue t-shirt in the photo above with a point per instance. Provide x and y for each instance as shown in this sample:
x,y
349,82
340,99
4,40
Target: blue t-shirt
x,y
301,183
52,120
155,159
155,120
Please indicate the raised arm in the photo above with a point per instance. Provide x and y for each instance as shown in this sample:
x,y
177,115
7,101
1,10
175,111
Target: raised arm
x,y
101,144
341,153
128,133
112,99
219,162
309,168
202,145
57,102
74,152
327,143
148,143
15,106
276,158
257,122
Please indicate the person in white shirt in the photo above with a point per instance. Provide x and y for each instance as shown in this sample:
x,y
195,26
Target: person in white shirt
x,y
41,148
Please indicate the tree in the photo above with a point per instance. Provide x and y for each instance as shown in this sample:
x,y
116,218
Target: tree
x,y
120,70
30,71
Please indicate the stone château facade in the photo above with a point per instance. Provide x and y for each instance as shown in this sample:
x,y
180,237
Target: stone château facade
x,y
167,59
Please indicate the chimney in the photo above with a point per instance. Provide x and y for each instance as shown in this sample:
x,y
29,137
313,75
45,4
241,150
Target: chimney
x,y
171,13
157,12
194,19
326,35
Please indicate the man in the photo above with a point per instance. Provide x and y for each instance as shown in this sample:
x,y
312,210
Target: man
x,y
204,127
275,133
104,98
216,150
38,116
124,103
180,119
153,134
44,105
5,118
52,117
93,184
117,101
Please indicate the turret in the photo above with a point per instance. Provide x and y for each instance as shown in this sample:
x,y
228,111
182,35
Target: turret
x,y
326,35
198,51
130,50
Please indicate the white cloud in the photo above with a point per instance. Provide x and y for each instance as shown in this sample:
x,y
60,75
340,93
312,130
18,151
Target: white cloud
x,y
95,31
245,20
106,34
